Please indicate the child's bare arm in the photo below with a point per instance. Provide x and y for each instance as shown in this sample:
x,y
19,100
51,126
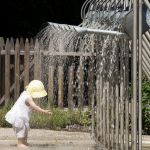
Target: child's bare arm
x,y
30,102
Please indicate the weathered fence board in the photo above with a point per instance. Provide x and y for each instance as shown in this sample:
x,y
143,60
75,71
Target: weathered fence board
x,y
122,94
51,85
17,69
36,60
7,72
126,95
26,63
60,76
0,69
70,87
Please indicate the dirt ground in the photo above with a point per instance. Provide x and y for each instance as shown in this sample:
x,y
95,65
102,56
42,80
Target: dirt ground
x,y
55,140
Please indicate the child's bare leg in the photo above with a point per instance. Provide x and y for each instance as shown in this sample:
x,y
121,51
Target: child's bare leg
x,y
21,143
25,140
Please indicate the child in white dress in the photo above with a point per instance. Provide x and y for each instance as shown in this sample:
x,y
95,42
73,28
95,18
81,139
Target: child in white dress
x,y
20,113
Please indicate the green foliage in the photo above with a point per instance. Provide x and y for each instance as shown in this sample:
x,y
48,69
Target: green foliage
x,y
146,103
3,111
59,119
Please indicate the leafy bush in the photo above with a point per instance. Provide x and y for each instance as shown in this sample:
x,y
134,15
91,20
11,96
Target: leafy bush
x,y
3,111
146,103
59,119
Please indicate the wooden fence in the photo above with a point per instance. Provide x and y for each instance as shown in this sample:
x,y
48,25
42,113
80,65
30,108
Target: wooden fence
x,y
15,66
19,58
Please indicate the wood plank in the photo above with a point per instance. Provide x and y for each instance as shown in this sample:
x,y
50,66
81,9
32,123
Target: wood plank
x,y
3,68
127,95
21,44
0,69
51,86
13,86
122,94
26,63
67,53
60,77
7,72
36,60
117,101
31,44
80,73
60,84
17,70
11,44
70,87
12,52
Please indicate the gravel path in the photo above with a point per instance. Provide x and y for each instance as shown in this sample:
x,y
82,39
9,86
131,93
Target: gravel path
x,y
48,139
55,140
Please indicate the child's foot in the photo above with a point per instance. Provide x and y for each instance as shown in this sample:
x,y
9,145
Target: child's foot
x,y
27,144
22,146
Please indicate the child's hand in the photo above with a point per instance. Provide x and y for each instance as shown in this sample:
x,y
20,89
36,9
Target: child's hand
x,y
48,112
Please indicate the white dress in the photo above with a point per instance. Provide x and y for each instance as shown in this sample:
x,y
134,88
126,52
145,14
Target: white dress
x,y
20,113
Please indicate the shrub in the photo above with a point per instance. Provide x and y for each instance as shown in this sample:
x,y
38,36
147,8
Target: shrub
x,y
3,111
59,119
146,103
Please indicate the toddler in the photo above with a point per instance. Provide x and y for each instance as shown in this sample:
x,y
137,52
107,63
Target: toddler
x,y
20,113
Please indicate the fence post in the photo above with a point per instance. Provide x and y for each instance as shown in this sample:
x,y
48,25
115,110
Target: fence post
x,y
17,70
117,98
26,63
70,77
127,95
122,94
3,68
51,77
7,72
0,68
80,78
36,60
134,81
50,85
60,76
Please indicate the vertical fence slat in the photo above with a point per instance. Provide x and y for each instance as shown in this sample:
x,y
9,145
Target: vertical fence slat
x,y
117,99
127,95
60,76
80,78
36,60
122,94
70,87
11,44
51,77
89,82
17,70
50,85
3,68
26,63
31,45
98,107
101,92
60,84
7,72
93,93
108,99
21,44
0,68
41,56
134,75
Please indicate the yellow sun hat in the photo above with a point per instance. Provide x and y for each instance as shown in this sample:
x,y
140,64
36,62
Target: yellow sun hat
x,y
36,89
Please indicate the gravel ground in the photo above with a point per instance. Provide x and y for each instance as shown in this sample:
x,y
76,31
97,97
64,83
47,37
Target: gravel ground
x,y
48,139
55,140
